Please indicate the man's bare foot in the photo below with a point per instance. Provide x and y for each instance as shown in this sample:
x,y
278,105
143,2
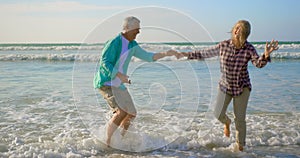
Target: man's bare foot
x,y
227,128
123,132
108,143
241,148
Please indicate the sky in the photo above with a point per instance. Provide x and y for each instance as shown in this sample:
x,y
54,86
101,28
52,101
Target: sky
x,y
89,21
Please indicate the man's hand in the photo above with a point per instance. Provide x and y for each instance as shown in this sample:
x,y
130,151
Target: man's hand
x,y
174,53
123,78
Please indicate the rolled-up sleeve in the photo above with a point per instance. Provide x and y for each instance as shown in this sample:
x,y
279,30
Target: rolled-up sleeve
x,y
259,61
205,53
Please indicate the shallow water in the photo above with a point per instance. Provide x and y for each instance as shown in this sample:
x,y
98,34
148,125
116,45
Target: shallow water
x,y
49,109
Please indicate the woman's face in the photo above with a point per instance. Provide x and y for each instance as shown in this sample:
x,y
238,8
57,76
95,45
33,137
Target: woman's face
x,y
237,31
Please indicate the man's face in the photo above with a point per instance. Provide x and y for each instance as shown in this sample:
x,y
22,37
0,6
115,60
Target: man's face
x,y
131,34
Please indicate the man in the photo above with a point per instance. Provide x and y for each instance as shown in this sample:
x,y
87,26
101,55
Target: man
x,y
111,75
235,82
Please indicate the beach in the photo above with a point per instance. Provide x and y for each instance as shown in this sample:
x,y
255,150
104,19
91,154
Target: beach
x,y
49,107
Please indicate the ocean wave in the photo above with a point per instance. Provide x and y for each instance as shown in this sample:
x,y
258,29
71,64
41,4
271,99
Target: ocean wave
x,y
89,52
149,46
55,47
95,57
281,46
50,57
286,55
191,46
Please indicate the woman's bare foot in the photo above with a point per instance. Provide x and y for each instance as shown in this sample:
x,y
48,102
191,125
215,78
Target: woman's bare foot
x,y
227,128
238,147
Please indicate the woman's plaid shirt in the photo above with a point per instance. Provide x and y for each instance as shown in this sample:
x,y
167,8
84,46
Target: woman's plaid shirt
x,y
233,64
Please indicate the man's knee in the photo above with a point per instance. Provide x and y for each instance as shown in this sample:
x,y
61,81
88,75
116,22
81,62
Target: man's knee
x,y
119,116
131,116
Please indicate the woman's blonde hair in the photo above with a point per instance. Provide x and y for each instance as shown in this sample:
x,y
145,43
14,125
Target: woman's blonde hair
x,y
244,28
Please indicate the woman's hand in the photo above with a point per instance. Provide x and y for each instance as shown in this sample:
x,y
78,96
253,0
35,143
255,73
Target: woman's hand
x,y
167,53
270,48
177,54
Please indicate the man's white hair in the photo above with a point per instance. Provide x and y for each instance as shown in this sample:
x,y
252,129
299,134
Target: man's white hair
x,y
131,23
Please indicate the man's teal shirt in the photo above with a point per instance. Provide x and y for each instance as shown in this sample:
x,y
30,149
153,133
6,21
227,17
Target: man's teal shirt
x,y
109,61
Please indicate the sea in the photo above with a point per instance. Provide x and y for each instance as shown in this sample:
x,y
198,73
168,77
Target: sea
x,y
49,107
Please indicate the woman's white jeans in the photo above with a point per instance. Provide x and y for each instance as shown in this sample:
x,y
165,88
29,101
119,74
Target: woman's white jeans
x,y
239,108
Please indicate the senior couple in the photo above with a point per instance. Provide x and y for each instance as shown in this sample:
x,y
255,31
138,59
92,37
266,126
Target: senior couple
x,y
234,55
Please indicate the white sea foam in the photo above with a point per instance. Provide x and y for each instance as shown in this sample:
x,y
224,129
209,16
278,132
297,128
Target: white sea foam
x,y
66,136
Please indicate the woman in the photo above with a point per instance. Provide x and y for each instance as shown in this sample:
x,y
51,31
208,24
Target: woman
x,y
235,82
